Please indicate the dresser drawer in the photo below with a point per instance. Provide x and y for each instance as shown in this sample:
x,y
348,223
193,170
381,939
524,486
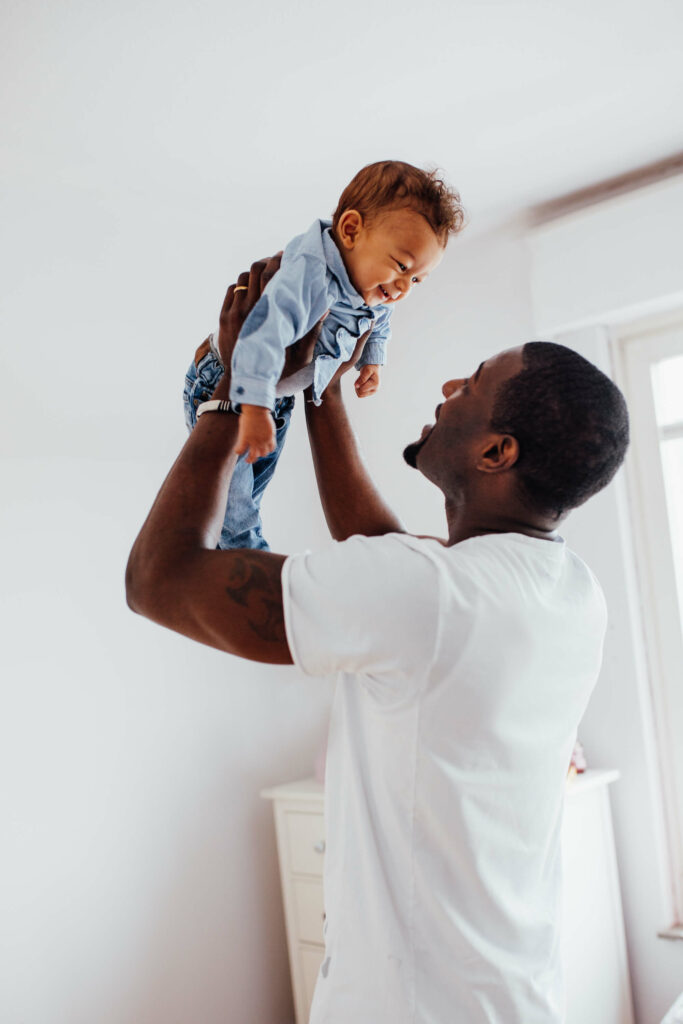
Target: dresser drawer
x,y
309,909
305,842
310,959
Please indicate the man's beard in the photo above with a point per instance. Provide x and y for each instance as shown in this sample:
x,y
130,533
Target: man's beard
x,y
411,450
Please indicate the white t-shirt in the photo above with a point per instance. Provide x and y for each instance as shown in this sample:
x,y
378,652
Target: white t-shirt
x,y
463,674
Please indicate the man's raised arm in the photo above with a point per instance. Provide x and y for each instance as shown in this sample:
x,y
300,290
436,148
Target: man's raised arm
x,y
231,600
351,502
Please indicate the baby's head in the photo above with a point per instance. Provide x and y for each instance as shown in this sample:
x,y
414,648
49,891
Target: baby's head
x,y
392,225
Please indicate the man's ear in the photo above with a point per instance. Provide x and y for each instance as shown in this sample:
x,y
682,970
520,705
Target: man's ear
x,y
349,228
499,454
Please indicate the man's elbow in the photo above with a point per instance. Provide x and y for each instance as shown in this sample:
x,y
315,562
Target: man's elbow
x,y
154,587
132,587
139,587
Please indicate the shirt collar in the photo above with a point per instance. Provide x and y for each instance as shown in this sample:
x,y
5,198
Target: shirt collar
x,y
336,265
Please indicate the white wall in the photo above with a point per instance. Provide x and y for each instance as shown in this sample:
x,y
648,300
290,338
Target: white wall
x,y
610,261
607,264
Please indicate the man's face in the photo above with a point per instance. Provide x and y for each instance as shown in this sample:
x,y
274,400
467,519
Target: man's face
x,y
449,446
389,255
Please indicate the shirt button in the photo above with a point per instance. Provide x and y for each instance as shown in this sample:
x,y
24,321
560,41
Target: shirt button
x,y
341,334
240,390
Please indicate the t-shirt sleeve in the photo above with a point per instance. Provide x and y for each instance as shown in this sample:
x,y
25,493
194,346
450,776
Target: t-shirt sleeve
x,y
366,605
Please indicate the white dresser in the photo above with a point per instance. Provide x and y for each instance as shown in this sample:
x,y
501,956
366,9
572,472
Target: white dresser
x,y
594,948
300,831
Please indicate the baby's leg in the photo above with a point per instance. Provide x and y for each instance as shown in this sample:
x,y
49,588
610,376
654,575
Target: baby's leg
x,y
265,467
242,527
201,380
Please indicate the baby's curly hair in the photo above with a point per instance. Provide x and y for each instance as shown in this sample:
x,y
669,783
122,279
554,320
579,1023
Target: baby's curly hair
x,y
393,184
570,421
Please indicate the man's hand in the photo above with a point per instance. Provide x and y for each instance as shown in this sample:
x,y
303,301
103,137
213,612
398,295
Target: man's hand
x,y
239,300
334,387
343,368
300,354
367,381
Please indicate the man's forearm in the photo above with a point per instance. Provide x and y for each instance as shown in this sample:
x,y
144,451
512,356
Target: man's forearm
x,y
351,502
231,600
189,509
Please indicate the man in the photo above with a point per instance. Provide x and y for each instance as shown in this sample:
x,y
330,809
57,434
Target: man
x,y
464,667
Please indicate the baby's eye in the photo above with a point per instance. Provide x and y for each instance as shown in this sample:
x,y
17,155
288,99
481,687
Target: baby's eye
x,y
401,266
416,280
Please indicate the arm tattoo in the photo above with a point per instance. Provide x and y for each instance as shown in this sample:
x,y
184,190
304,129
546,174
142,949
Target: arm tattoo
x,y
257,587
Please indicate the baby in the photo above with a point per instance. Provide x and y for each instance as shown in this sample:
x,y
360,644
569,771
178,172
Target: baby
x,y
388,233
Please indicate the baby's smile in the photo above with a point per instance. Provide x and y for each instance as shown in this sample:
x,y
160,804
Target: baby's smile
x,y
387,295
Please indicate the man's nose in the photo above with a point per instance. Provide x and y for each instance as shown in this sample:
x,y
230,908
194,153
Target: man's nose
x,y
450,386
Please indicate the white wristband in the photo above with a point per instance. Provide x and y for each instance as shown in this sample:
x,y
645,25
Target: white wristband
x,y
217,405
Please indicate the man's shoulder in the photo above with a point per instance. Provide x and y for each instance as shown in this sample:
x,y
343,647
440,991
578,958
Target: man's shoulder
x,y
518,561
398,556
368,553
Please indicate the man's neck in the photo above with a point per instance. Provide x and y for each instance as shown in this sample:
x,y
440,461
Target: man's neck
x,y
463,524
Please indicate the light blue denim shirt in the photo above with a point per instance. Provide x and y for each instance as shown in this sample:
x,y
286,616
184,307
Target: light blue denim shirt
x,y
312,278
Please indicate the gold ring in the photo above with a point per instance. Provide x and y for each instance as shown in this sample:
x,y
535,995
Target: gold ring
x,y
240,288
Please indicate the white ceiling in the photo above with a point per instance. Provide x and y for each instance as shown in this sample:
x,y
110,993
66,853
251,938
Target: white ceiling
x,y
266,109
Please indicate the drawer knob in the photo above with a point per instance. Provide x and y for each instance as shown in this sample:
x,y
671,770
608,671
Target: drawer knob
x,y
319,847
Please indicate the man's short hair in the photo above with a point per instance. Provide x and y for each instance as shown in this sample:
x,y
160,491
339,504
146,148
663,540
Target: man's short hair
x,y
570,421
393,184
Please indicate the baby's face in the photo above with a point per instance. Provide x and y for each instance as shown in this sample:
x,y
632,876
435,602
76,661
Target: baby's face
x,y
389,255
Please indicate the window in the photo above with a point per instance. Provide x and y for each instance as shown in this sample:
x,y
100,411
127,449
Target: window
x,y
651,357
667,382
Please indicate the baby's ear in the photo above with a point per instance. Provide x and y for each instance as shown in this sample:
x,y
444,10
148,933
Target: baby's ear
x,y
349,228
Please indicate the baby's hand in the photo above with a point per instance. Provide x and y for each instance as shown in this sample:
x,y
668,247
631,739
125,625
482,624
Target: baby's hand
x,y
367,381
256,432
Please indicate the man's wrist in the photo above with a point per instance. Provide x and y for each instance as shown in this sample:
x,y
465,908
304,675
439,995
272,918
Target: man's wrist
x,y
217,405
333,392
222,389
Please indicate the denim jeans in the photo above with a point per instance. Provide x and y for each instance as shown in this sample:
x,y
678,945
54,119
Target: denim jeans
x,y
242,523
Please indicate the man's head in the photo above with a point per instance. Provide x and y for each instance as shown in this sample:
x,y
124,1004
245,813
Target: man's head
x,y
392,224
538,425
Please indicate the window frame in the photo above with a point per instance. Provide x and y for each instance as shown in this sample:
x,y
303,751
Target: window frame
x,y
636,347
